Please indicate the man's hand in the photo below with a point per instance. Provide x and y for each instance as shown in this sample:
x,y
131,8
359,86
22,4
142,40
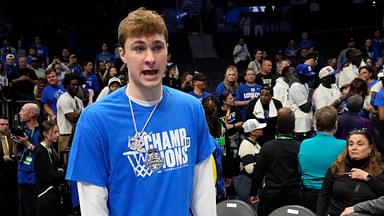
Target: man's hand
x,y
254,199
22,140
7,158
347,211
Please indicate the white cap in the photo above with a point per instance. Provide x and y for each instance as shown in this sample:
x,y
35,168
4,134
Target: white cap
x,y
252,124
380,75
113,80
10,56
326,71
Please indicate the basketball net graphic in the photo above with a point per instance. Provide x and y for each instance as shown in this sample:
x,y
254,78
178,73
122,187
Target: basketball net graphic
x,y
137,161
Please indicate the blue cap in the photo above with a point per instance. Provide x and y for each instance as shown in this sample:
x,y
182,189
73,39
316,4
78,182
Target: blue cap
x,y
305,70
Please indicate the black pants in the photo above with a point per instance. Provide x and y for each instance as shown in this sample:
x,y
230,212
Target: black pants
x,y
309,198
49,203
27,199
272,199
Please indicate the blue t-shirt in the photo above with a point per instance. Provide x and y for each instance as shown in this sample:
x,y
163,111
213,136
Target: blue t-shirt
x,y
105,56
247,92
92,82
200,97
50,95
379,99
100,153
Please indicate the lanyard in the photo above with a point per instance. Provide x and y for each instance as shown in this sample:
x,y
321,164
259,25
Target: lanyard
x,y
49,155
285,137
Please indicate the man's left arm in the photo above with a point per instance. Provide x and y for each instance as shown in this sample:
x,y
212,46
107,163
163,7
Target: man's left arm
x,y
204,194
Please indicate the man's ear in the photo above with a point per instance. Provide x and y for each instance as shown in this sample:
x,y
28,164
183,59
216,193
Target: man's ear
x,y
122,52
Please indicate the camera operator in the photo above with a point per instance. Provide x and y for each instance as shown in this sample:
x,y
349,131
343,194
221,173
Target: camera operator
x,y
8,170
27,141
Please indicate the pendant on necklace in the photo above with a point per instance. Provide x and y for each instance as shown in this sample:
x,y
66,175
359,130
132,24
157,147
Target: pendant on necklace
x,y
136,143
154,161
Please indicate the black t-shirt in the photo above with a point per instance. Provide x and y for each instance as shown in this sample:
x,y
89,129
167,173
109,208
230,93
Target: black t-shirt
x,y
268,79
25,87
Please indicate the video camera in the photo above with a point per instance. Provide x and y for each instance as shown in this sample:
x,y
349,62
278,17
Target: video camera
x,y
18,131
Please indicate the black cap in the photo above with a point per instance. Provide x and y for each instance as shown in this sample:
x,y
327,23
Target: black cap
x,y
200,77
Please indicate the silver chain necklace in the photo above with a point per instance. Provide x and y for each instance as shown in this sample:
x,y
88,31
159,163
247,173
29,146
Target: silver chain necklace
x,y
153,159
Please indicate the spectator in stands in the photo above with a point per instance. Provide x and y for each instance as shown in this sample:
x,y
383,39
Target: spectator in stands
x,y
368,51
10,65
356,175
306,43
186,81
27,138
230,115
317,154
123,78
248,152
230,83
171,63
200,82
74,65
327,92
8,170
277,163
41,50
48,172
350,70
91,80
265,77
256,63
104,56
247,92
113,84
143,40
36,66
60,68
6,49
69,107
171,78
51,94
300,98
264,109
281,88
366,74
291,50
64,58
23,81
241,56
342,59
351,120
110,72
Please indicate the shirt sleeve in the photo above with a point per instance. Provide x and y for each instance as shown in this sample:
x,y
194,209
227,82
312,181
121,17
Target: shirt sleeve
x,y
93,199
298,94
203,197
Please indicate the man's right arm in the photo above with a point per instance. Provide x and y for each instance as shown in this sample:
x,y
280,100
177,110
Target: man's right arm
x,y
93,199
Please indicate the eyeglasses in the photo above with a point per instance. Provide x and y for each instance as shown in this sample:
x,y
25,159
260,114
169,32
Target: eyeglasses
x,y
359,131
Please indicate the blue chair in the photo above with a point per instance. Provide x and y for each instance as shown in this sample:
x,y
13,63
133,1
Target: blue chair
x,y
290,210
234,207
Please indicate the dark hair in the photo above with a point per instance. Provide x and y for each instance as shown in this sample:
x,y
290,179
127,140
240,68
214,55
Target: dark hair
x,y
46,126
267,88
359,86
69,77
223,96
285,121
326,118
4,117
369,69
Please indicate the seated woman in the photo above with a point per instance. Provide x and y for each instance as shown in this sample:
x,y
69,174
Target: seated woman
x,y
48,173
355,176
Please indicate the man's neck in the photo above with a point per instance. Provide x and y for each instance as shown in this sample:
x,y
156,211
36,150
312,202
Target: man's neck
x,y
32,123
198,91
147,94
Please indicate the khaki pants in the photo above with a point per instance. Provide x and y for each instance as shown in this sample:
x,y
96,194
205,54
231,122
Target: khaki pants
x,y
63,147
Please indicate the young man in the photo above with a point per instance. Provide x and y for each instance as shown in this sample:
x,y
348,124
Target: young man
x,y
148,150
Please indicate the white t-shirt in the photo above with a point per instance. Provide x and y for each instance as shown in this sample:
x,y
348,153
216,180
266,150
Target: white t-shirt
x,y
67,104
280,92
325,96
298,96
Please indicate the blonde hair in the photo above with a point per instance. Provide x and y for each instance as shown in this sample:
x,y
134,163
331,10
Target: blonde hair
x,y
141,22
231,87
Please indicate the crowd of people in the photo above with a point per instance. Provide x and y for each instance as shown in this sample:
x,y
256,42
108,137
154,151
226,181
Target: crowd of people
x,y
288,129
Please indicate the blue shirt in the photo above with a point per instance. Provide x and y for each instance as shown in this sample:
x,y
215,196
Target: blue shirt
x,y
106,57
25,171
379,99
100,154
247,92
50,95
315,157
92,82
200,97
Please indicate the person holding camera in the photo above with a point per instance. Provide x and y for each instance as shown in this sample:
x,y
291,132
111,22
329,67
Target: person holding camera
x,y
27,138
48,173
8,170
